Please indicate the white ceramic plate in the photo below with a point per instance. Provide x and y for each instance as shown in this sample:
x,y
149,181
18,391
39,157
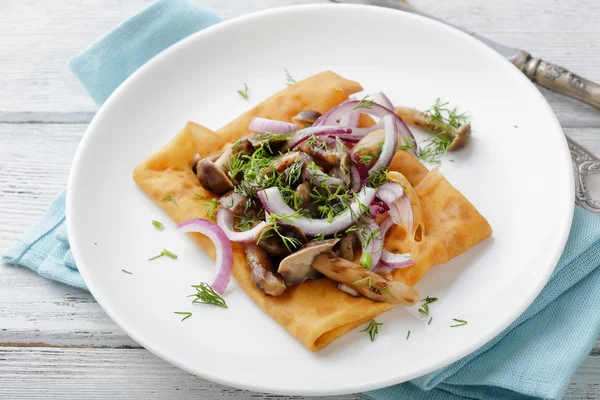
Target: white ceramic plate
x,y
517,172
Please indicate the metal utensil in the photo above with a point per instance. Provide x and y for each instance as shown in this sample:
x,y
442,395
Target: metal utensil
x,y
586,166
545,74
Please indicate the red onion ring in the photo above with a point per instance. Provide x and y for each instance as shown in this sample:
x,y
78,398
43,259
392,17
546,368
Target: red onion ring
x,y
331,117
392,194
389,260
358,171
259,124
347,289
381,99
273,203
224,258
389,145
225,222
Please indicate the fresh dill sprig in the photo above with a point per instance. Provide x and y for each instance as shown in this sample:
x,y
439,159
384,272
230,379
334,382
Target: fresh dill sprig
x,y
365,102
372,329
158,225
212,205
365,260
206,295
378,178
127,272
169,198
290,243
461,322
424,309
366,158
187,314
244,93
430,319
408,334
444,121
288,78
164,252
198,196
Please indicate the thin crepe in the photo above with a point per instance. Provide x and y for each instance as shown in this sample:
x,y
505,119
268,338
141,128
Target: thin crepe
x,y
314,312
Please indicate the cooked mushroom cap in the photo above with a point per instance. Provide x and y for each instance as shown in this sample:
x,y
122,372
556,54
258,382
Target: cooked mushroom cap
x,y
273,243
306,117
326,159
297,267
262,273
212,177
347,245
461,138
304,193
275,143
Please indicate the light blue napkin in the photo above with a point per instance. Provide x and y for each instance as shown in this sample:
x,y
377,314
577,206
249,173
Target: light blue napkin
x,y
534,358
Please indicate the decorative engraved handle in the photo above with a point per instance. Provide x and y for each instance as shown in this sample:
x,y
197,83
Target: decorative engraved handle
x,y
584,165
558,79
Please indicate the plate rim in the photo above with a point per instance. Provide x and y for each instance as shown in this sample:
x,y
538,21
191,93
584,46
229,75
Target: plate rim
x,y
353,387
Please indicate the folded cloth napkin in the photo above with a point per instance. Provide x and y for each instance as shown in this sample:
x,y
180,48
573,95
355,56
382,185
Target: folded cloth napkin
x,y
533,358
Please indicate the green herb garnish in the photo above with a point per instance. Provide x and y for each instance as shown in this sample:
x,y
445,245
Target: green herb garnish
x,y
461,322
290,243
366,102
244,93
430,319
378,178
198,196
365,260
164,252
366,279
408,334
288,78
187,314
424,309
372,329
169,198
212,205
127,272
206,295
158,224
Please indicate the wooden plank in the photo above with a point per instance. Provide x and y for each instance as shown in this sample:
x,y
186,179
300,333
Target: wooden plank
x,y
42,373
34,373
561,33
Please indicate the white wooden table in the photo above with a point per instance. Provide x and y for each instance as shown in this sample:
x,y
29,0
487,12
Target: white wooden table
x,y
55,341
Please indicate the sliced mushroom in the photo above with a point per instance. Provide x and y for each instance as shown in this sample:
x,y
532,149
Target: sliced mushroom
x,y
275,143
288,160
262,273
297,267
303,191
243,146
364,281
323,156
342,170
307,117
212,177
348,244
460,136
272,242
369,147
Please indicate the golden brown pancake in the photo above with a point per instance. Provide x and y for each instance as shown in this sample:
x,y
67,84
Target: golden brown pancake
x,y
314,312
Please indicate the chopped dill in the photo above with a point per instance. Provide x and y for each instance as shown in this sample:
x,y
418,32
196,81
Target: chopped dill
x,y
288,78
127,272
198,196
159,225
365,102
187,314
408,334
169,198
212,205
244,93
372,329
206,295
461,322
164,252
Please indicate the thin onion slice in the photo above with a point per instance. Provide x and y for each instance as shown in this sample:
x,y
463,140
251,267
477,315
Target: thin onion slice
x,y
273,203
224,258
336,114
259,124
389,145
381,99
392,194
347,289
358,171
321,178
225,222
391,261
